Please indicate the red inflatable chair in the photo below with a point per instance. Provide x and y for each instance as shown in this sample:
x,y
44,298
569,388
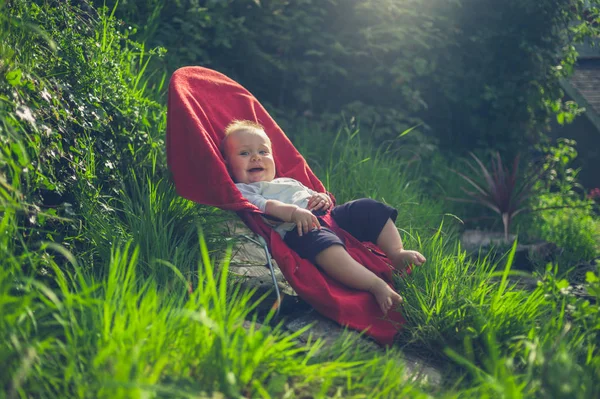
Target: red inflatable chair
x,y
201,103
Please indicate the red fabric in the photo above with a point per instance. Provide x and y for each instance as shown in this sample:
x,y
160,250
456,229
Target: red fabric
x,y
202,102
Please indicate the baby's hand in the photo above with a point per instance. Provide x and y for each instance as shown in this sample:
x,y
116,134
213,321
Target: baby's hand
x,y
319,201
305,220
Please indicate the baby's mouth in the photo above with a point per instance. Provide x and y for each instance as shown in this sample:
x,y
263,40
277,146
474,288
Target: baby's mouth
x,y
256,170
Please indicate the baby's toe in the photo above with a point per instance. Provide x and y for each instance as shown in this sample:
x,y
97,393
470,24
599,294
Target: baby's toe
x,y
383,309
386,305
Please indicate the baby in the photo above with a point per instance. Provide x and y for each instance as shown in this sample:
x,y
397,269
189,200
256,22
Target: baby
x,y
249,158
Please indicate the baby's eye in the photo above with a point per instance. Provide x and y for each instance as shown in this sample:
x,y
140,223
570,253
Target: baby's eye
x,y
244,153
263,152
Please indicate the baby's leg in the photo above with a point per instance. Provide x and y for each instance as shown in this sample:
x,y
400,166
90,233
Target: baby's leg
x,y
370,220
338,263
391,244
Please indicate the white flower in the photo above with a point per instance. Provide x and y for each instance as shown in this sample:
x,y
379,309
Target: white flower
x,y
25,114
45,95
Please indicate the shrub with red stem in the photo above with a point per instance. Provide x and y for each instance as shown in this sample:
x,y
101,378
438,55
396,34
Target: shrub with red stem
x,y
504,191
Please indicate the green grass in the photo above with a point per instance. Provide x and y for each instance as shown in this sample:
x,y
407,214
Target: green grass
x,y
463,310
125,292
352,167
124,336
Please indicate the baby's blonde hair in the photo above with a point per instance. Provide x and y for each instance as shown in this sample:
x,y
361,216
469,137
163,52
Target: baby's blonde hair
x,y
238,125
242,124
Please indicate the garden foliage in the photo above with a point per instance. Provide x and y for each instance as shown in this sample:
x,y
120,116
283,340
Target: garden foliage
x,y
74,112
566,216
108,289
391,63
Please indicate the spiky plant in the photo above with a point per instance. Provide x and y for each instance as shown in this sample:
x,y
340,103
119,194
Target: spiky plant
x,y
504,191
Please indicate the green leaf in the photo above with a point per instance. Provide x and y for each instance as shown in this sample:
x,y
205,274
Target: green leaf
x,y
277,384
404,133
14,77
591,278
562,284
21,153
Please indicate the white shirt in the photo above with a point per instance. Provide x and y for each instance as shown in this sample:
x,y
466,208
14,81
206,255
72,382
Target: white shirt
x,y
283,189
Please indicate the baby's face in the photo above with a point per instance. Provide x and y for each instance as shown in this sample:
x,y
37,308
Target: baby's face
x,y
249,157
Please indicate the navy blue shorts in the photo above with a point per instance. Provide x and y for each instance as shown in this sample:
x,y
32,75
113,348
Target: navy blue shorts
x,y
363,218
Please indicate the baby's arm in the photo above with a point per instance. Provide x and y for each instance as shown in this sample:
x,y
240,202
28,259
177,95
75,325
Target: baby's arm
x,y
304,219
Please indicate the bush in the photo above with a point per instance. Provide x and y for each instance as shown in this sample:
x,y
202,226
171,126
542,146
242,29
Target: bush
x,y
499,84
306,57
75,107
574,230
564,216
479,73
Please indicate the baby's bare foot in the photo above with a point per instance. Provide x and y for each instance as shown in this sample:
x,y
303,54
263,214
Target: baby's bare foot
x,y
385,296
403,258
